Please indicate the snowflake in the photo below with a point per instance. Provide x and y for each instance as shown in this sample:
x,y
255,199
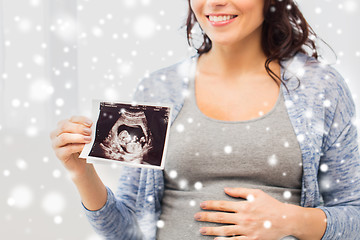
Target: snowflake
x,y
250,198
309,113
287,194
327,103
350,6
300,137
6,172
56,173
272,160
228,149
21,164
16,103
267,224
289,103
59,102
20,197
180,127
183,184
144,26
173,174
198,185
38,60
58,219
53,203
318,10
160,224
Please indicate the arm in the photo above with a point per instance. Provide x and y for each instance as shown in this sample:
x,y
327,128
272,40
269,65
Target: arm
x,y
109,217
115,219
306,223
137,200
340,183
340,186
68,140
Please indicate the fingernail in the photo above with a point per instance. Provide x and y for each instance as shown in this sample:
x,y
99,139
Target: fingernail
x,y
202,205
197,216
227,189
202,230
87,138
88,122
87,131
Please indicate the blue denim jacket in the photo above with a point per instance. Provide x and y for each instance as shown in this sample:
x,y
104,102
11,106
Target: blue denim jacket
x,y
322,113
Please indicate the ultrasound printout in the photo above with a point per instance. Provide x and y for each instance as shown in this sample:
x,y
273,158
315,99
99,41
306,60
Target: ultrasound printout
x,y
128,133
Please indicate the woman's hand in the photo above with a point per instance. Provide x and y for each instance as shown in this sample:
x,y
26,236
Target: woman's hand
x,y
260,217
68,140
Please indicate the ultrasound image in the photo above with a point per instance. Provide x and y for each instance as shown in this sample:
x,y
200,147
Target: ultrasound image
x,y
133,134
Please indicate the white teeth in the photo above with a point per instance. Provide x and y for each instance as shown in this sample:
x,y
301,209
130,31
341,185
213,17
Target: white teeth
x,y
221,18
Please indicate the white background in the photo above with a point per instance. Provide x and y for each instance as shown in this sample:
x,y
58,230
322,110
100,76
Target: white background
x,y
55,56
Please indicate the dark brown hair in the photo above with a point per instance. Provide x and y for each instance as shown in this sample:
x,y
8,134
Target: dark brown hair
x,y
285,32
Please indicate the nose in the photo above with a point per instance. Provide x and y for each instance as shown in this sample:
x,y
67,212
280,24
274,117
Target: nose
x,y
216,3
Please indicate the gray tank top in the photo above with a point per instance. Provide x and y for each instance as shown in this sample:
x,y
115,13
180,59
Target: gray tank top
x,y
205,155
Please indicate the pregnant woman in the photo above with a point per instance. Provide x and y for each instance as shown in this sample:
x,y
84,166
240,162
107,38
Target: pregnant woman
x,y
263,143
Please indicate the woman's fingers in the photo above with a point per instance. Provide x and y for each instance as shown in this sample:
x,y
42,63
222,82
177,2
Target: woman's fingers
x,y
65,151
224,206
70,127
232,230
81,120
217,217
233,238
70,138
243,192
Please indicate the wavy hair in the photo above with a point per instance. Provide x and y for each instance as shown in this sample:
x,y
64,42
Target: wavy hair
x,y
285,32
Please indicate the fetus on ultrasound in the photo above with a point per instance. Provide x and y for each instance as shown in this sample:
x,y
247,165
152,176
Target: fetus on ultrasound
x,y
130,139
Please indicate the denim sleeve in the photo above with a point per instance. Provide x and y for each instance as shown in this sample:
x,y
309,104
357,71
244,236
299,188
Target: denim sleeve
x,y
339,175
114,221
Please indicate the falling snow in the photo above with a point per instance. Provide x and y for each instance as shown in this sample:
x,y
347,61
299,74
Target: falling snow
x,y
173,174
21,197
267,224
198,185
56,59
324,167
287,194
180,127
272,160
227,149
53,203
58,220
250,198
160,224
21,164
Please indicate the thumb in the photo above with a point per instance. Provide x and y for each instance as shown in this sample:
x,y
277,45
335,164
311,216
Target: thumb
x,y
239,192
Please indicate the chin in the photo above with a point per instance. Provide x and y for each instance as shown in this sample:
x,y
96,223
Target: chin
x,y
223,42
222,39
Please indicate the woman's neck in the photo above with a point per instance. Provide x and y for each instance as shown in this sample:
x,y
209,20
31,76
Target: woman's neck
x,y
239,60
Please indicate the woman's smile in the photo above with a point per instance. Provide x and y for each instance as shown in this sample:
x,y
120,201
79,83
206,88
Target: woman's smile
x,y
221,20
214,17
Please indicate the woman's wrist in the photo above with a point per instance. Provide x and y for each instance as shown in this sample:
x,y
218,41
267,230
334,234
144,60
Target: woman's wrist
x,y
87,172
305,223
92,191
